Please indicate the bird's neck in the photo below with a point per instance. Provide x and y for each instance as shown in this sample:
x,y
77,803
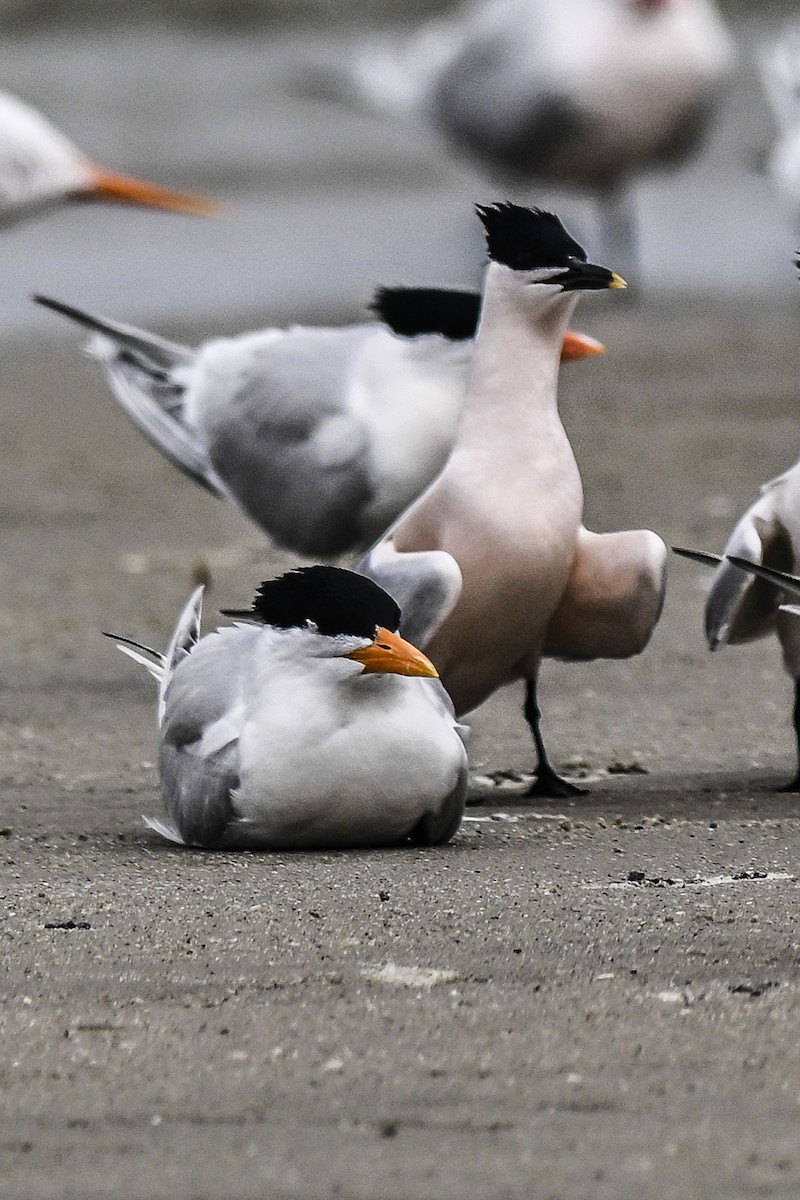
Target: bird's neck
x,y
514,376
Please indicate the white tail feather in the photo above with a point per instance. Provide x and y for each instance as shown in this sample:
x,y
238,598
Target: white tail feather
x,y
156,669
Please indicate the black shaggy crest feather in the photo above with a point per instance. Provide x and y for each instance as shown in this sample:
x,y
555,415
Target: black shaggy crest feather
x,y
336,600
410,311
527,239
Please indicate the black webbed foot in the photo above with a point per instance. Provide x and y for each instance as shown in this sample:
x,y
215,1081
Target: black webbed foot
x,y
549,785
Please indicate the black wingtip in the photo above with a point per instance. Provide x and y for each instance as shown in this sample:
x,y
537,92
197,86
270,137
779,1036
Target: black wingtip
x,y
701,556
781,579
67,310
126,641
49,302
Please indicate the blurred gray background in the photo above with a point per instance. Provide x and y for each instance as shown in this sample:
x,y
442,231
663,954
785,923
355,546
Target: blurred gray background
x,y
322,203
233,12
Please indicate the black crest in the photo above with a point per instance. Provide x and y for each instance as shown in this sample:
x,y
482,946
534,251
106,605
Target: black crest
x,y
336,600
409,311
527,239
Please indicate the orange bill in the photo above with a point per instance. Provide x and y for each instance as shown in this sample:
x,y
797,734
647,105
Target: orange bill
x,y
390,654
580,345
123,189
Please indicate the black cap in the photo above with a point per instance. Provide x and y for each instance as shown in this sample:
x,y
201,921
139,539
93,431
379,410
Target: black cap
x,y
336,600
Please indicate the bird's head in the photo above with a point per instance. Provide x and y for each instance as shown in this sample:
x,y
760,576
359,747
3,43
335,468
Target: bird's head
x,y
340,615
535,245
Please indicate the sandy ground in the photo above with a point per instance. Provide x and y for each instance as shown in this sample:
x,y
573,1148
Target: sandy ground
x,y
592,1000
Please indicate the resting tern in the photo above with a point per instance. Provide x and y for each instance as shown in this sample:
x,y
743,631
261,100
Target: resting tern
x,y
492,566
40,168
576,93
780,73
321,436
743,604
305,729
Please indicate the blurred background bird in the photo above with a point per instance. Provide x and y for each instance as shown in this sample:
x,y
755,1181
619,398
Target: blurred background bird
x,y
307,184
40,168
575,93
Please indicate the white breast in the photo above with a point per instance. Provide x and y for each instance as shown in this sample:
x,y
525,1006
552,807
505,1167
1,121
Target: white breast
x,y
322,763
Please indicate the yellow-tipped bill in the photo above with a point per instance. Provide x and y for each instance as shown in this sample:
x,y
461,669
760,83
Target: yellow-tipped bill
x,y
390,654
123,189
617,281
580,345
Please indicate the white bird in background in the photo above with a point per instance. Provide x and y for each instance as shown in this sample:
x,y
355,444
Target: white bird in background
x,y
321,436
305,729
744,605
780,73
40,168
492,566
575,93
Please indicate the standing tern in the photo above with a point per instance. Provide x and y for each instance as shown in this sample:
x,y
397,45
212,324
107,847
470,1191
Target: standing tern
x,y
745,603
321,436
492,566
575,93
41,168
307,728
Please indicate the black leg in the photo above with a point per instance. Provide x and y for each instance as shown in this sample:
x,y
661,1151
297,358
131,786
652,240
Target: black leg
x,y
547,782
794,786
620,233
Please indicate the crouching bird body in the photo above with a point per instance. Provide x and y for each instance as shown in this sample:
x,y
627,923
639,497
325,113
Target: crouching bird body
x,y
317,726
492,565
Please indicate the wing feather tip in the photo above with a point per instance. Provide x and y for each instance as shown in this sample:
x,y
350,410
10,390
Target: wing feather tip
x,y
166,831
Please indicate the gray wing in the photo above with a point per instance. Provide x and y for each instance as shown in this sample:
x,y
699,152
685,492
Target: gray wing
x,y
198,687
426,584
199,753
742,607
282,433
147,375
